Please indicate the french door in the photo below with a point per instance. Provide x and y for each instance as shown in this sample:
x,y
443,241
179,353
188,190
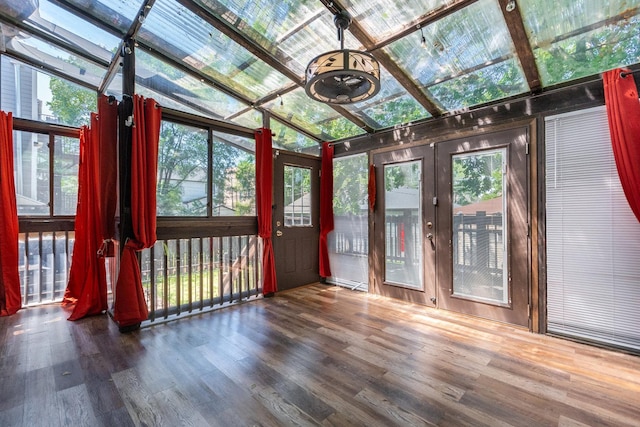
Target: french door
x,y
482,238
451,225
404,254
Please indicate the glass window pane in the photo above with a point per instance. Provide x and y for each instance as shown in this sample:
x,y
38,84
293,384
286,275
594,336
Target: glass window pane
x,y
498,81
581,38
65,175
117,14
182,170
64,26
349,241
479,226
234,175
38,96
297,197
403,224
295,31
31,163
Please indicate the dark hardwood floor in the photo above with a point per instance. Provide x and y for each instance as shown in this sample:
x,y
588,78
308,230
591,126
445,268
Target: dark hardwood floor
x,y
318,355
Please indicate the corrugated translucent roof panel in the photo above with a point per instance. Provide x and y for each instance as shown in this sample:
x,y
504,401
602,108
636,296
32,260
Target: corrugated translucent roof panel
x,y
172,28
65,27
294,31
49,56
292,140
463,47
118,14
581,38
383,18
391,106
317,118
160,77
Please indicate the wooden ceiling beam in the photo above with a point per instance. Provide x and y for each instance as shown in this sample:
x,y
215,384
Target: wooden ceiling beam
x,y
515,24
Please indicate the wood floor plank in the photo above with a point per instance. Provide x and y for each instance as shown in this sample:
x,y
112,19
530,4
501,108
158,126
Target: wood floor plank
x,y
316,355
75,407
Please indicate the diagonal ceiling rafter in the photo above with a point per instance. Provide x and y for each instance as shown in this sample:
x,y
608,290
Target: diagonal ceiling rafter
x,y
257,50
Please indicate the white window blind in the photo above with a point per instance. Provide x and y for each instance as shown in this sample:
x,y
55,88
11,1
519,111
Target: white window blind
x,y
593,238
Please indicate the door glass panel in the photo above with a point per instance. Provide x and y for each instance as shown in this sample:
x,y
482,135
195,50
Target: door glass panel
x,y
479,224
297,197
403,224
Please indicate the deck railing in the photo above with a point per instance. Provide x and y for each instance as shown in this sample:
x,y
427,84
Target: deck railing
x,y
181,276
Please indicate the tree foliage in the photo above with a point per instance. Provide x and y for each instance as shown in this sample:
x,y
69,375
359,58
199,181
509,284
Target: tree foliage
x,y
71,104
477,177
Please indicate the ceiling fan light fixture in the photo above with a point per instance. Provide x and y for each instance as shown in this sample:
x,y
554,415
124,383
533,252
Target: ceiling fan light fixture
x,y
342,76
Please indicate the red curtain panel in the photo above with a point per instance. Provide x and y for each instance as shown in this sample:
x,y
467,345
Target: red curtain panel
x,y
372,187
10,300
108,134
264,199
86,292
130,307
326,207
623,111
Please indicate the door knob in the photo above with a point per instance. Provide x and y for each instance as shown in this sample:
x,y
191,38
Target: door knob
x,y
279,233
430,236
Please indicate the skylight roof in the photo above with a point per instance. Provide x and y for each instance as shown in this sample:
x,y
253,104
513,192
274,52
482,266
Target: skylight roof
x,y
235,60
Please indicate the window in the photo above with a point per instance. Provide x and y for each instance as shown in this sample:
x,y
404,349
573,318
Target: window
x,y
36,193
185,173
30,94
182,170
297,197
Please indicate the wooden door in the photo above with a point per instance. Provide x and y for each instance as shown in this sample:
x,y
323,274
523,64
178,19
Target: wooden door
x,y
404,225
296,228
482,236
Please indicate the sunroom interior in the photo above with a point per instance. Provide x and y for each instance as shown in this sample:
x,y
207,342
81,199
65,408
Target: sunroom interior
x,y
470,177
476,175
485,75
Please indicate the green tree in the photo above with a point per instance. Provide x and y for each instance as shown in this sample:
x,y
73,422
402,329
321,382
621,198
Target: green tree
x,y
182,155
350,178
71,104
477,177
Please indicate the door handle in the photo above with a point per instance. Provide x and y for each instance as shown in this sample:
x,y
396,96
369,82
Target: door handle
x,y
279,233
430,236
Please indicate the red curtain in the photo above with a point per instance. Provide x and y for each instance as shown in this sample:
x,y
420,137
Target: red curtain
x,y
264,196
372,187
623,110
108,134
86,291
10,300
87,287
130,307
326,207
